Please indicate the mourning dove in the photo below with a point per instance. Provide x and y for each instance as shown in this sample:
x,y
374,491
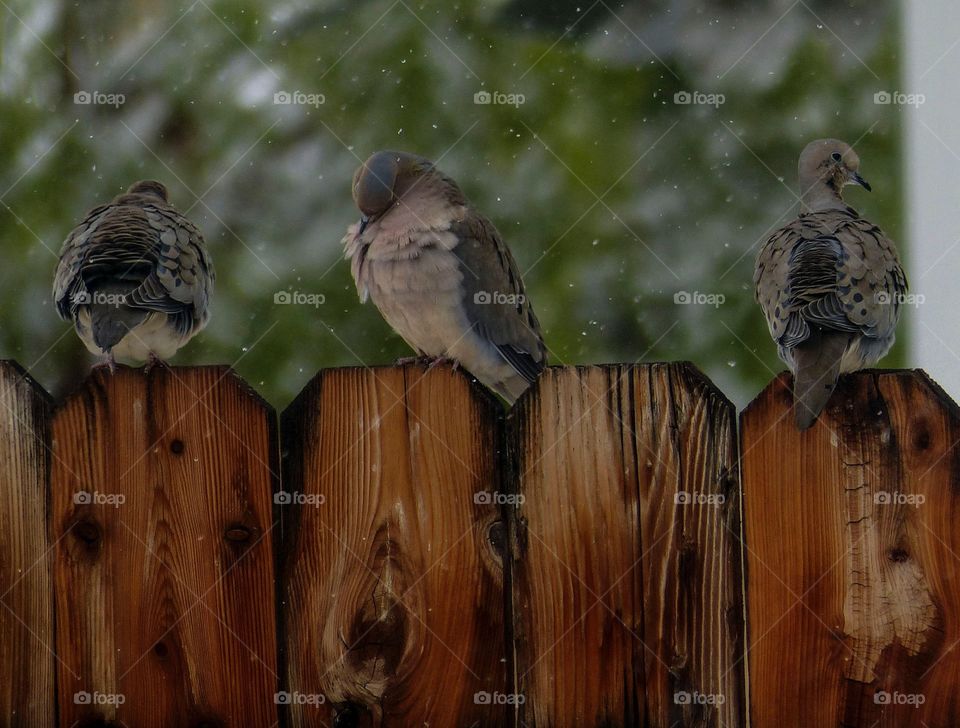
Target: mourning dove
x,y
440,273
829,283
135,277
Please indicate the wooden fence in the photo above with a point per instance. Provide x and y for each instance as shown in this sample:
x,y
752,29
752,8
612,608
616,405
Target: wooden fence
x,y
395,550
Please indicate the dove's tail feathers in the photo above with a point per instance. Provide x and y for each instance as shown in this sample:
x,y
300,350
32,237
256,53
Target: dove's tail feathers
x,y
110,318
817,368
510,388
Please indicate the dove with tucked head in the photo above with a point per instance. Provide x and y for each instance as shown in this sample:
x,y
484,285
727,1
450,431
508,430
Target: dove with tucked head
x,y
440,273
135,277
830,283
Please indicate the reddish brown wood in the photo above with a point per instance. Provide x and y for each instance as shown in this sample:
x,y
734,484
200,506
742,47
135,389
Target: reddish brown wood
x,y
627,591
392,597
854,556
165,599
27,646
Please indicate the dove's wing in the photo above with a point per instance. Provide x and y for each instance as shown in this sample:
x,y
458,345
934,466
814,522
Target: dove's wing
x,y
493,296
150,250
831,269
67,281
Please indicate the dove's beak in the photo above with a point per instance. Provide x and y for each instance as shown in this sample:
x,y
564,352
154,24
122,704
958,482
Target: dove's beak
x,y
364,221
857,179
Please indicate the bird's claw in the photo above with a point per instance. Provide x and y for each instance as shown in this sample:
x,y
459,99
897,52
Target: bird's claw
x,y
441,360
107,362
428,361
419,359
152,361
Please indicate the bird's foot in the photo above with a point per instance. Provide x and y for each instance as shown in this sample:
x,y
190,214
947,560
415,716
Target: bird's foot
x,y
419,359
428,361
443,360
153,361
106,362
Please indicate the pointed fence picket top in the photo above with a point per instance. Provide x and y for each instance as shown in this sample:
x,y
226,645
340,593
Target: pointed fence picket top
x,y
626,593
161,513
26,589
853,558
392,593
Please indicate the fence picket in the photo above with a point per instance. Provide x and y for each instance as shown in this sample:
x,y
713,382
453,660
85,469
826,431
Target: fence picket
x,y
854,556
392,596
161,513
627,594
26,597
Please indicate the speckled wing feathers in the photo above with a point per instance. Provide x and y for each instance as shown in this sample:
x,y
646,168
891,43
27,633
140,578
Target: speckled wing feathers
x,y
832,269
140,246
150,245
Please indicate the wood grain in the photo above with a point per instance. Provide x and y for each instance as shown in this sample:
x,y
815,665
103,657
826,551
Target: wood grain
x,y
164,601
854,556
627,593
392,597
26,588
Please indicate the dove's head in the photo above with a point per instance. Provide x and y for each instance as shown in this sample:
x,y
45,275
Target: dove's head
x,y
145,188
382,179
826,165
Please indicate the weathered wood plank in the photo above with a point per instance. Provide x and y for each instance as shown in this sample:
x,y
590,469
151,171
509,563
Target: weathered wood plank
x,y
627,591
854,556
26,596
162,514
392,594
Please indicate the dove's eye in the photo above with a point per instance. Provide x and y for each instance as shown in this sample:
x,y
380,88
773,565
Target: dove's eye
x,y
835,156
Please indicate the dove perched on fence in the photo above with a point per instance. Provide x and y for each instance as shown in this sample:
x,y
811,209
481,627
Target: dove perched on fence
x,y
830,283
135,277
440,273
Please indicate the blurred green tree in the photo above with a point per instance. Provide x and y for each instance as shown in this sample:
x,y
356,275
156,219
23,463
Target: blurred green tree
x,y
615,196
